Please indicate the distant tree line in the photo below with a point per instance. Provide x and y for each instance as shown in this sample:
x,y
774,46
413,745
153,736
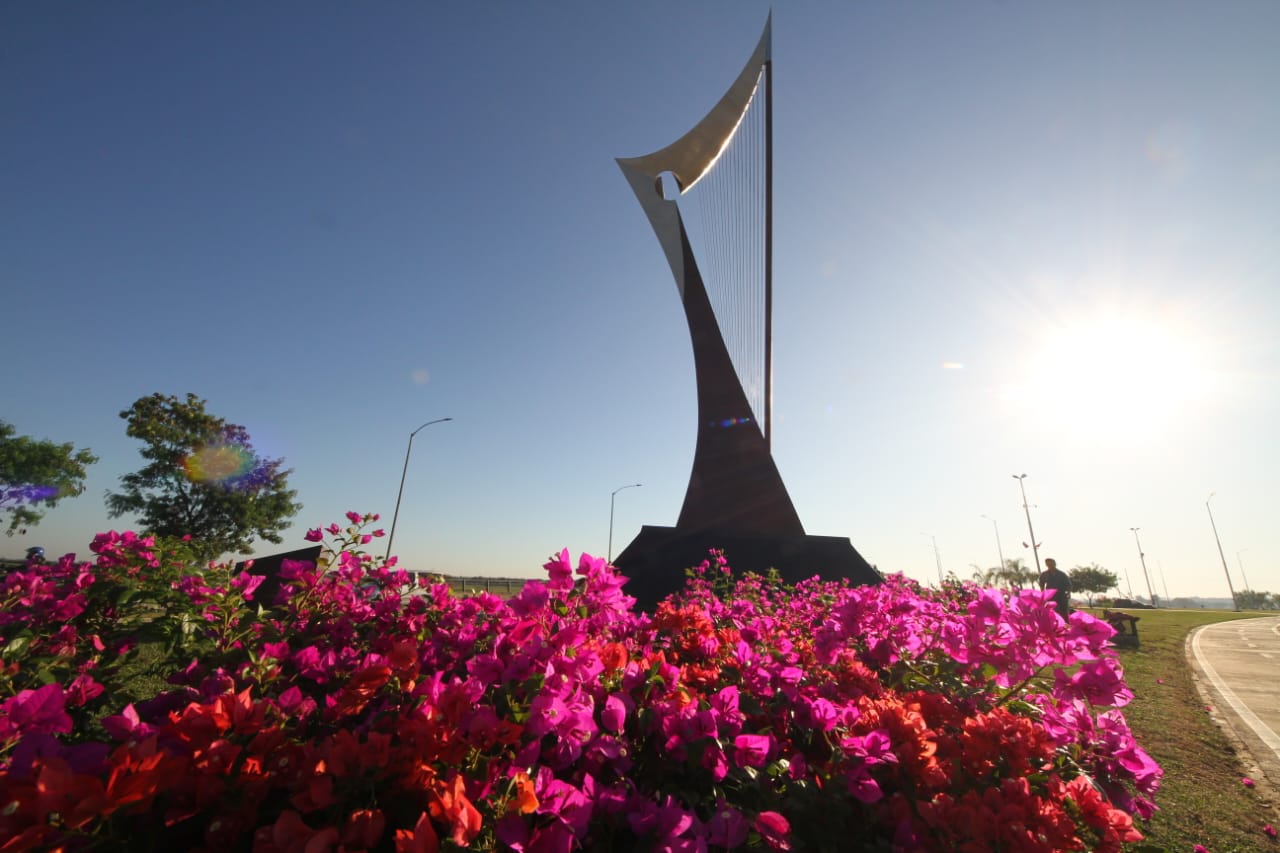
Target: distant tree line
x,y
1248,599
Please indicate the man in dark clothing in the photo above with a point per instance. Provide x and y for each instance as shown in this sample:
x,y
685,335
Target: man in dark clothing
x,y
1055,579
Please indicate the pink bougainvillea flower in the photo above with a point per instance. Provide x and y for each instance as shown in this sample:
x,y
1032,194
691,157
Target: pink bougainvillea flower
x,y
1269,830
1247,782
1102,683
614,714
40,710
82,689
727,827
247,584
559,571
752,750
1199,848
341,715
127,724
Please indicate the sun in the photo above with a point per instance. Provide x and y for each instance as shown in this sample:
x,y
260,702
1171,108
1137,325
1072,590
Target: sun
x,y
1116,373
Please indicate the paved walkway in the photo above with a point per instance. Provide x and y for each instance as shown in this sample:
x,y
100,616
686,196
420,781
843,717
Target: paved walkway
x,y
1239,667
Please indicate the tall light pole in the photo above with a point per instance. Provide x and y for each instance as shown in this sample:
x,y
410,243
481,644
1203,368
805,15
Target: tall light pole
x,y
611,497
1225,571
999,550
396,515
1143,558
1240,562
937,556
1035,546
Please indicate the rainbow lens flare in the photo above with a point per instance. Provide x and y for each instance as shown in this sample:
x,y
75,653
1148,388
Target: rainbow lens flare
x,y
218,463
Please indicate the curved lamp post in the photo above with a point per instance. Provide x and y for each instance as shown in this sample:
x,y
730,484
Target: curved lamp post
x,y
1035,546
1234,604
611,497
395,516
1143,558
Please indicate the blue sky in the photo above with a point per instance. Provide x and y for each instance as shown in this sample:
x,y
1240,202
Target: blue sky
x,y
1009,238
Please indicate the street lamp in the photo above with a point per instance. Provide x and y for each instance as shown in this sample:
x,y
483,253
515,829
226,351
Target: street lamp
x,y
999,550
611,497
937,556
1035,546
396,515
1240,562
1234,604
1143,558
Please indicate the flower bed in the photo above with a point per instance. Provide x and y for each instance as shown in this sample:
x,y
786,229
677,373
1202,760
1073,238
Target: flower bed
x,y
356,712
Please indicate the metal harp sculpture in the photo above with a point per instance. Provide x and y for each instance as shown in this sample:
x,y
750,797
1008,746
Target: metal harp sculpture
x,y
736,499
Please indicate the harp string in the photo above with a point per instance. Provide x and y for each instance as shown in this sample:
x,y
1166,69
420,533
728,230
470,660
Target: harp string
x,y
724,214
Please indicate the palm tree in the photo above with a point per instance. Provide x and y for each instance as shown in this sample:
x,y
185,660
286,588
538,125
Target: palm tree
x,y
1013,575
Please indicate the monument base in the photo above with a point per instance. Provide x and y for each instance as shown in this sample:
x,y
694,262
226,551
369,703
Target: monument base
x,y
656,559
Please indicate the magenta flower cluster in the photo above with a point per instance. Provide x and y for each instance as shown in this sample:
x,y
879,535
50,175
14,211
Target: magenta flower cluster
x,y
363,710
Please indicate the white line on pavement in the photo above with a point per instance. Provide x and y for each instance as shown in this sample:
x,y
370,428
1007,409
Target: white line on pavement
x,y
1261,729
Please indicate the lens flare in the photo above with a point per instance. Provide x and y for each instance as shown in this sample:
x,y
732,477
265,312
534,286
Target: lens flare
x,y
729,422
218,463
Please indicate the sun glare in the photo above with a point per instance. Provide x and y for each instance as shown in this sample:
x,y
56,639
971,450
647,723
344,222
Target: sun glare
x,y
1116,375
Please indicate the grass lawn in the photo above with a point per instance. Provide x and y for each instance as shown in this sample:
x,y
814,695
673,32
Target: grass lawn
x,y
1201,798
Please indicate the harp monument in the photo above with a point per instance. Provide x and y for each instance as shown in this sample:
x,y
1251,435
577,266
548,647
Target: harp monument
x,y
709,198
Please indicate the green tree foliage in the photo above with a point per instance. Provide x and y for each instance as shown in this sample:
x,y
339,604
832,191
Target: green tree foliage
x,y
1092,580
1249,599
1013,575
202,479
36,474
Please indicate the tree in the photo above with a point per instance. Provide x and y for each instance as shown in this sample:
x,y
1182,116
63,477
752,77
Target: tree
x,y
1248,599
1092,580
37,474
1013,575
203,479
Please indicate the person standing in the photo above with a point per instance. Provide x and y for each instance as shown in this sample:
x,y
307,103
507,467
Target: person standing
x,y
1055,579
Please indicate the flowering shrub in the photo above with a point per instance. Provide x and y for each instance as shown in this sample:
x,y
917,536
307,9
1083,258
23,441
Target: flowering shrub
x,y
361,710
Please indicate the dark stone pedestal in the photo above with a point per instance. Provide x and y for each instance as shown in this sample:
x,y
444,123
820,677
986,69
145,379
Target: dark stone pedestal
x,y
270,566
656,559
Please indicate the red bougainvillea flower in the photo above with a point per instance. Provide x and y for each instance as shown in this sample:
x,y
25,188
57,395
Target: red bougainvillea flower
x,y
1269,830
1113,825
421,839
774,829
454,808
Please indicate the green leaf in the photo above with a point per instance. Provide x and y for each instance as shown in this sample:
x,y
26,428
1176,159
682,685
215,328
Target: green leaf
x,y
17,646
